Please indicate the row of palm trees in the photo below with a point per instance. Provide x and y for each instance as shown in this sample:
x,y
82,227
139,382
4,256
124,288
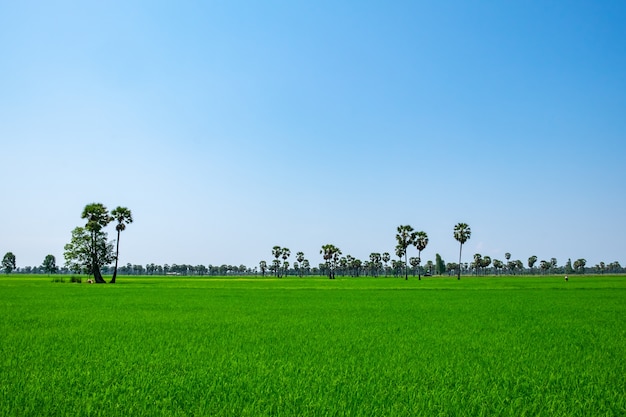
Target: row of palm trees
x,y
406,237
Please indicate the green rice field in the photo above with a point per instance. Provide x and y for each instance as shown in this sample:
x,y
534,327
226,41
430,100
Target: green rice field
x,y
157,346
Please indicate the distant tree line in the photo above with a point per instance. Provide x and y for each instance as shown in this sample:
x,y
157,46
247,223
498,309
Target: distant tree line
x,y
89,252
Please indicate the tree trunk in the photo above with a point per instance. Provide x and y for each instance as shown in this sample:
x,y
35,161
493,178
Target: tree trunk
x,y
95,265
459,275
117,255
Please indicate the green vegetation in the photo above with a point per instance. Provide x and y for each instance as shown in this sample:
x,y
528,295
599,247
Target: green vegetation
x,y
89,250
194,346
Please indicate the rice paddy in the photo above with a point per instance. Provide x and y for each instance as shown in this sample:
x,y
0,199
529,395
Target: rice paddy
x,y
348,347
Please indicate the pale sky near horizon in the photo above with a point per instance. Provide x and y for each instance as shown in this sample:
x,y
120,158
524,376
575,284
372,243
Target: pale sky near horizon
x,y
228,127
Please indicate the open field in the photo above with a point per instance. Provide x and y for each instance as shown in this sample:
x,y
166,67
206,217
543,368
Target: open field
x,y
356,346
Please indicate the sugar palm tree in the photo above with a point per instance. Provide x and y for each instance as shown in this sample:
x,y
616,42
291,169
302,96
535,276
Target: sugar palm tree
x,y
405,238
123,216
386,258
462,233
285,253
420,240
300,259
277,252
531,262
97,217
330,254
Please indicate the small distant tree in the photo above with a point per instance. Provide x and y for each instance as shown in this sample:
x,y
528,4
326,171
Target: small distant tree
x,y
263,267
477,262
331,254
497,265
386,258
405,237
414,262
420,240
8,262
462,233
277,252
285,253
484,263
531,263
300,259
49,265
579,265
440,265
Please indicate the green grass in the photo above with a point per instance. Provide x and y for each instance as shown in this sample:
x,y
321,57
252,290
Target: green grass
x,y
359,347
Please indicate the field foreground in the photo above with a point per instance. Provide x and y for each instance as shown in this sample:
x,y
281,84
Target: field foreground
x,y
297,347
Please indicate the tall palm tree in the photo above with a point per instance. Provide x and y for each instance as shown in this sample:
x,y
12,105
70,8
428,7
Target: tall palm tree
x,y
330,254
405,238
462,233
285,253
386,258
478,258
509,264
277,252
420,240
531,262
300,259
485,262
123,216
97,217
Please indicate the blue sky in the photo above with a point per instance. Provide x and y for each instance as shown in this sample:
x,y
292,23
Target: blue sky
x,y
231,127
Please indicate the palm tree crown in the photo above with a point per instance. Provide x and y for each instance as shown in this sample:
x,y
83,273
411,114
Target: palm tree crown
x,y
462,233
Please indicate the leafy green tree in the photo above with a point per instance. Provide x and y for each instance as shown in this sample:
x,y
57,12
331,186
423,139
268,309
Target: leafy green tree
x,y
79,252
429,266
263,267
50,265
405,238
330,253
123,216
8,262
440,265
545,265
97,217
462,233
420,240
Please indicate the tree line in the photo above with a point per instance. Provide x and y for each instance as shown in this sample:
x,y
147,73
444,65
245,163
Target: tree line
x,y
90,252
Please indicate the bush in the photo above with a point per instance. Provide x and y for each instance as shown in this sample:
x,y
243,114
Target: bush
x,y
58,279
77,280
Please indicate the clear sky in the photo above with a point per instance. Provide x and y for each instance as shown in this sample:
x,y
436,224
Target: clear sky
x,y
228,127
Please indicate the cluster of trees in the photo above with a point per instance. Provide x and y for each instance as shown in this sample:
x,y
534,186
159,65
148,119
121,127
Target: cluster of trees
x,y
90,252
